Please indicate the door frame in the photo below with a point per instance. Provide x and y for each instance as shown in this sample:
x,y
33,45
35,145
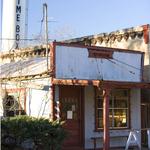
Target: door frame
x,y
82,110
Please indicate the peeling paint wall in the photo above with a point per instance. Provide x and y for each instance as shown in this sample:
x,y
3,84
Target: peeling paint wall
x,y
75,63
37,102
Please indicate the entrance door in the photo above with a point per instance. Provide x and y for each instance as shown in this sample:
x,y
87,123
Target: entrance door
x,y
71,112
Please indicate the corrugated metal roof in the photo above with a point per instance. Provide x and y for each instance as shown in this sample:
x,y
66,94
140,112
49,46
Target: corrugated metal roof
x,y
26,67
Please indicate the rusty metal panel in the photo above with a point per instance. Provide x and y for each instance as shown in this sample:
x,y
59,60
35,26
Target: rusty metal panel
x,y
75,63
30,66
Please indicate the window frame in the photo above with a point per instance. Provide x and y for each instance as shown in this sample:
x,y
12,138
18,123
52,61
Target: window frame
x,y
22,95
128,111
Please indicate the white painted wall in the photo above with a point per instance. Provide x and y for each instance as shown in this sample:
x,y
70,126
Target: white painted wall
x,y
74,63
90,118
37,102
37,96
135,110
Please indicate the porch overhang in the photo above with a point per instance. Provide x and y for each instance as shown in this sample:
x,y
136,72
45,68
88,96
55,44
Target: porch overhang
x,y
106,86
101,83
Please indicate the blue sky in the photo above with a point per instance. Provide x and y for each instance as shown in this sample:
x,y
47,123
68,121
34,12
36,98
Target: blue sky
x,y
76,18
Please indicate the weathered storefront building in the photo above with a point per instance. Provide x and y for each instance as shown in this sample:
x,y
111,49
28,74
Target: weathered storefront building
x,y
135,38
98,84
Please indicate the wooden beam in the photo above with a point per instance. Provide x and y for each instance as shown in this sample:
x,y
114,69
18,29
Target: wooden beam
x,y
100,54
45,74
106,137
102,84
76,82
121,84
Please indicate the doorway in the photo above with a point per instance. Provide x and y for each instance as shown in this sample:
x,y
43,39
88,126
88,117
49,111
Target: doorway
x,y
71,108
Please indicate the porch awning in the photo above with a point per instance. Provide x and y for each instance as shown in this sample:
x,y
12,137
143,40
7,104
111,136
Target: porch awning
x,y
23,68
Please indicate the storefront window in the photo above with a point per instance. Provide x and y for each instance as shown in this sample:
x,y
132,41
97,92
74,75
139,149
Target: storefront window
x,y
118,109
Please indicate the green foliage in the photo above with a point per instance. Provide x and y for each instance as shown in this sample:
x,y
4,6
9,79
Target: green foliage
x,y
45,134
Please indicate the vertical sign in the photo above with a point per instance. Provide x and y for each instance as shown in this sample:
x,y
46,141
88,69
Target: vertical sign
x,y
21,22
18,19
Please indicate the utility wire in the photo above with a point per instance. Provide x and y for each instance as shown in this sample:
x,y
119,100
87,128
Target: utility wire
x,y
122,67
22,39
41,25
126,64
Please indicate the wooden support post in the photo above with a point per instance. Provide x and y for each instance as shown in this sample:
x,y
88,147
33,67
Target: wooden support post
x,y
51,91
106,138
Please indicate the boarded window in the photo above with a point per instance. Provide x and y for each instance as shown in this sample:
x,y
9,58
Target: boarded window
x,y
100,54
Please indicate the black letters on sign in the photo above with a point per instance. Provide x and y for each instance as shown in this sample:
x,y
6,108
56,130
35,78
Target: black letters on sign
x,y
18,9
18,2
18,19
17,28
